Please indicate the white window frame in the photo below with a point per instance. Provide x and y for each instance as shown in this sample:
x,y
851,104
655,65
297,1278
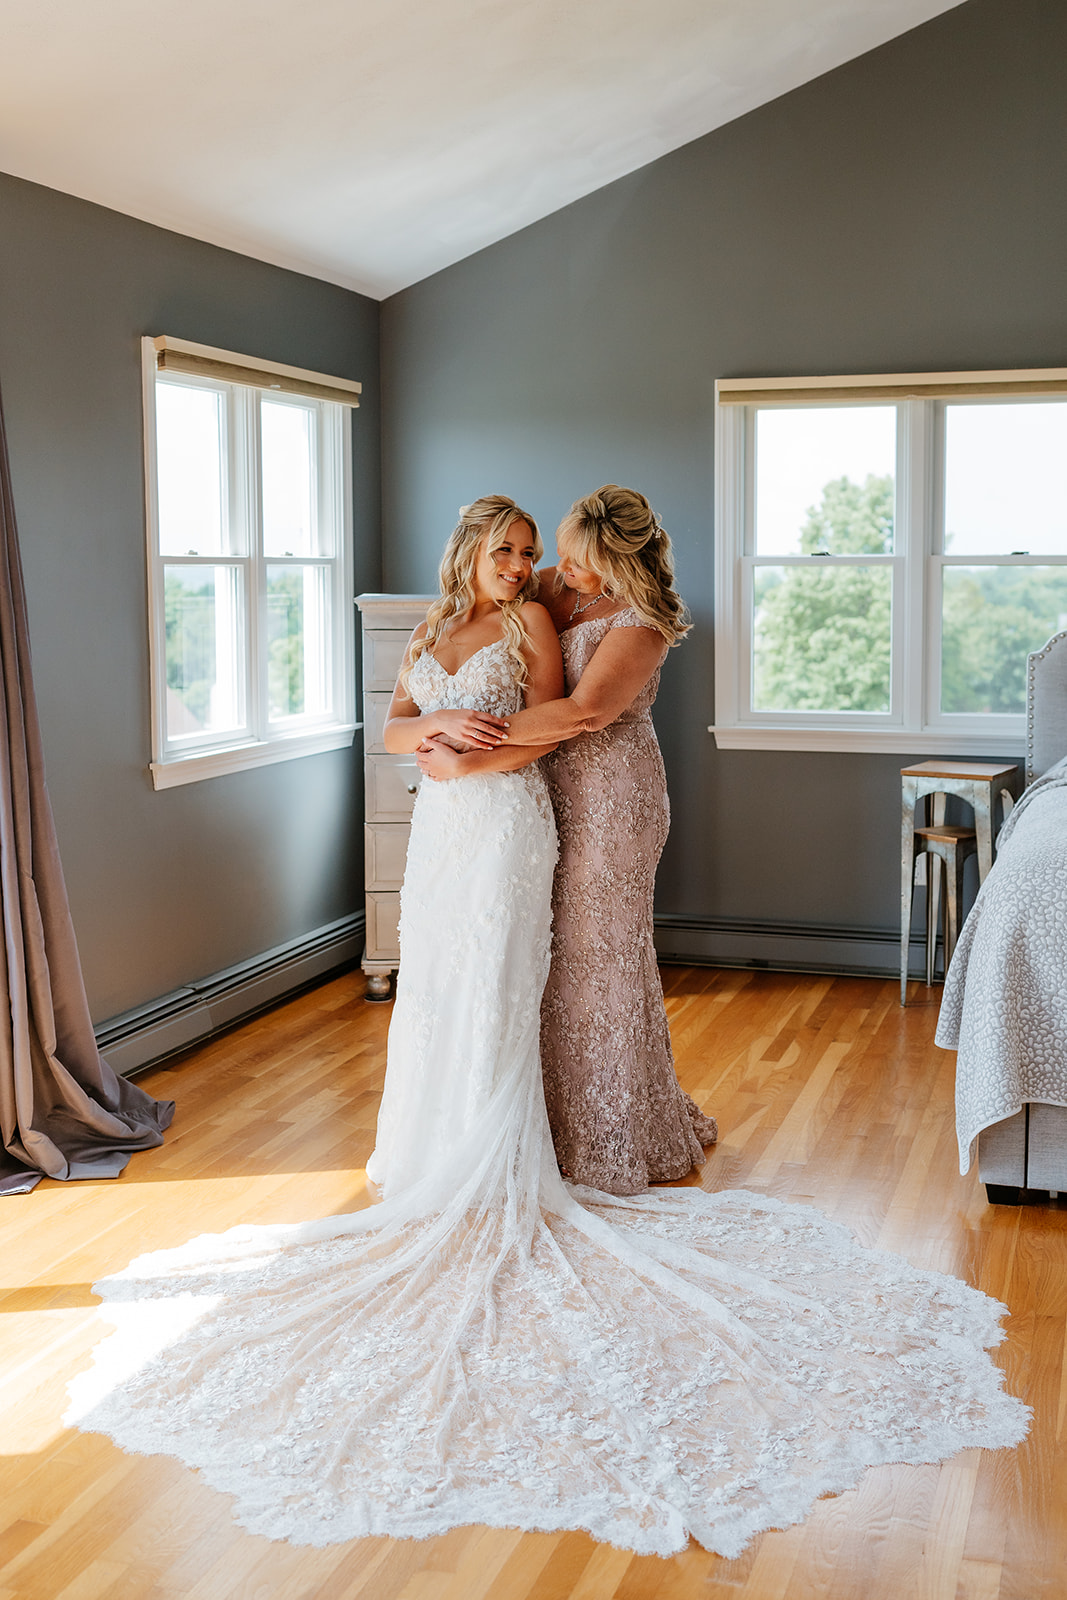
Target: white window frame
x,y
914,723
259,742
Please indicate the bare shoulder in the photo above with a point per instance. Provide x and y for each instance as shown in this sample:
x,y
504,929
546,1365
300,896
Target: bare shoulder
x,y
541,631
537,618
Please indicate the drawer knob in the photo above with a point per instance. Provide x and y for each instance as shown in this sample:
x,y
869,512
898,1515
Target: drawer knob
x,y
413,788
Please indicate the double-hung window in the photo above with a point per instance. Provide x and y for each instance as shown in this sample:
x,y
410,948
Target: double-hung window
x,y
888,551
248,469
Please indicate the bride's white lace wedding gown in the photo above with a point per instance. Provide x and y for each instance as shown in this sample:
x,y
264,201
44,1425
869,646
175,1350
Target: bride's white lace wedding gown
x,y
490,1345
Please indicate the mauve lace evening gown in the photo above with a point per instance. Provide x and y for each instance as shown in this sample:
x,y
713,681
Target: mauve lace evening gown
x,y
620,1120
490,1345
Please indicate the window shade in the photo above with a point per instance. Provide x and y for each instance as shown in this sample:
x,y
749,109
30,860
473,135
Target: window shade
x,y
890,386
179,355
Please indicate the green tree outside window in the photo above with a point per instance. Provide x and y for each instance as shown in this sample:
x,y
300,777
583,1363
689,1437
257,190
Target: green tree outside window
x,y
822,634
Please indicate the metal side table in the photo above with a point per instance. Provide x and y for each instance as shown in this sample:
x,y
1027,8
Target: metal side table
x,y
981,784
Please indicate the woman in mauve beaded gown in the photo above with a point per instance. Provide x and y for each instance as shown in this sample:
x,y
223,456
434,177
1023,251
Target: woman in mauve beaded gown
x,y
620,1119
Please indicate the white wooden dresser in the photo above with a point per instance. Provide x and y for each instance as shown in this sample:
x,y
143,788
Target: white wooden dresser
x,y
390,782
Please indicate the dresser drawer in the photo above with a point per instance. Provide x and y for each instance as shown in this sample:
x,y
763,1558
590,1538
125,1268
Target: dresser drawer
x,y
383,915
383,652
391,781
392,784
375,711
385,848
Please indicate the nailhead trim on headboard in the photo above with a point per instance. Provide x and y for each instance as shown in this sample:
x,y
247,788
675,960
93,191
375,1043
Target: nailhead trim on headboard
x,y
1031,665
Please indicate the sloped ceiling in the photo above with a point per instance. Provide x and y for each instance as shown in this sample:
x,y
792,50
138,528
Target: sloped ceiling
x,y
372,142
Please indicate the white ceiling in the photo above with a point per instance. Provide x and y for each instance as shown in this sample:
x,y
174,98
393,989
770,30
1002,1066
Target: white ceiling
x,y
372,142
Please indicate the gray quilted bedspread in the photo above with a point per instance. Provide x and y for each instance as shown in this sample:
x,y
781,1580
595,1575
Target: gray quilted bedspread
x,y
1005,1002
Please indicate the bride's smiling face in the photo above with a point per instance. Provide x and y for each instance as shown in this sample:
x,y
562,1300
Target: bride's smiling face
x,y
503,573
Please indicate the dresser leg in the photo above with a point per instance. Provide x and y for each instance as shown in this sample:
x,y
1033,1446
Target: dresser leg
x,y
379,986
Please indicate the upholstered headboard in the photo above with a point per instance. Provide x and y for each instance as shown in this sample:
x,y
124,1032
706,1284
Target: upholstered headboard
x,y
1046,706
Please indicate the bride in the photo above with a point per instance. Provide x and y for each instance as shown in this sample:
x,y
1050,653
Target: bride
x,y
490,1344
475,922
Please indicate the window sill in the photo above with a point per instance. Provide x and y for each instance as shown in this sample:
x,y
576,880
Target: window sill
x,y
238,758
899,741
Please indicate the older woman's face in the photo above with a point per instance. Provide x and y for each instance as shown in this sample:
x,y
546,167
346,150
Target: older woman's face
x,y
574,576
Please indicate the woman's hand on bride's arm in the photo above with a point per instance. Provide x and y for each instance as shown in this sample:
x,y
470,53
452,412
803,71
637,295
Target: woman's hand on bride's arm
x,y
621,666
477,730
406,730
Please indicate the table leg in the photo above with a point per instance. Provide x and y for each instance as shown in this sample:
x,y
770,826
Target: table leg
x,y
908,797
933,882
937,803
952,907
982,802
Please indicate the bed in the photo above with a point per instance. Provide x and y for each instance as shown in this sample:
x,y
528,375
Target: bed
x,y
1005,1003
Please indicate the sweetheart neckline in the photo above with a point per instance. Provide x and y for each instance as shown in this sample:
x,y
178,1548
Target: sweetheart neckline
x,y
473,657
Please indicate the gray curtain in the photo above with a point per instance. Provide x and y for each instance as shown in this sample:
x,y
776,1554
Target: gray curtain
x,y
63,1112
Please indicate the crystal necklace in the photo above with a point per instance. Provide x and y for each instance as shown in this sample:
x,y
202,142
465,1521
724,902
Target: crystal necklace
x,y
576,609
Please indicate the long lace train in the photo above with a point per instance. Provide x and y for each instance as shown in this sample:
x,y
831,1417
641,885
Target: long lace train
x,y
646,1369
490,1345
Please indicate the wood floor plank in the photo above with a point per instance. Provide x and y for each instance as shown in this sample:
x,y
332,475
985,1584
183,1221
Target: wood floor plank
x,y
356,1568
603,1575
938,1572
564,1567
94,1582
16,1536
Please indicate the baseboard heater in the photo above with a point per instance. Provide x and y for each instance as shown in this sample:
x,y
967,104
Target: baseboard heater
x,y
784,946
147,1034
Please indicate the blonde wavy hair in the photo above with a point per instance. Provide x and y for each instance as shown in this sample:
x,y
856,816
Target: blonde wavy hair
x,y
616,534
489,518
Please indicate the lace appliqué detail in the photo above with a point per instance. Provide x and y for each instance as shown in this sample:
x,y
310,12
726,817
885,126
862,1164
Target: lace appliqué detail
x,y
674,1365
619,1117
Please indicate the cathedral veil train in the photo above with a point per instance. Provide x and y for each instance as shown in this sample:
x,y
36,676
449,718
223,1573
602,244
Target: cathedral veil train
x,y
491,1344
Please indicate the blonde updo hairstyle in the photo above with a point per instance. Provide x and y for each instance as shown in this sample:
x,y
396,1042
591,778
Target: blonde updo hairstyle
x,y
615,534
491,519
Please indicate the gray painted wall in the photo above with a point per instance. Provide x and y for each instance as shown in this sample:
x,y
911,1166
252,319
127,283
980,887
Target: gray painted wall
x,y
903,212
165,887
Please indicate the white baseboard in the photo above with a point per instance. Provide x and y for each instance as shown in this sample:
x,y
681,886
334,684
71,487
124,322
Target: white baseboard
x,y
139,1038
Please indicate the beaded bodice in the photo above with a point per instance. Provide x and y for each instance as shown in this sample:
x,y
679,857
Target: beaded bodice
x,y
486,681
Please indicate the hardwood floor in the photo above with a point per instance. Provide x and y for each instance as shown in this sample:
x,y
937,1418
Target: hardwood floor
x,y
826,1092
